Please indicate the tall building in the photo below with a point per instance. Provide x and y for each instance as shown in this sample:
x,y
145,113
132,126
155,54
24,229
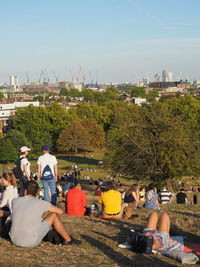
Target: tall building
x,y
164,76
14,81
157,77
170,77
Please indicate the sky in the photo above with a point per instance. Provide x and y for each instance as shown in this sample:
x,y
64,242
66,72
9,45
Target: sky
x,y
112,40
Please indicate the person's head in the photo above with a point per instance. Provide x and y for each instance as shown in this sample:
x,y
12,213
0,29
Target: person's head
x,y
164,187
182,190
78,185
142,189
24,150
151,187
31,188
133,188
9,179
110,186
46,149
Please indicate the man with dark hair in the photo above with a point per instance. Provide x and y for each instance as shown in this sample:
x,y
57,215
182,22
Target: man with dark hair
x,y
47,173
197,197
181,197
111,201
28,228
76,201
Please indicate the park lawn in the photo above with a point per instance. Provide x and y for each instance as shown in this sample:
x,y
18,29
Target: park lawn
x,y
100,238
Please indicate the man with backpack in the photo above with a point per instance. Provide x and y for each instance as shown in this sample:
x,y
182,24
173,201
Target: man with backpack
x,y
22,169
47,173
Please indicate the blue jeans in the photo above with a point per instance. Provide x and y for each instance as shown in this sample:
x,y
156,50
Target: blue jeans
x,y
50,184
22,181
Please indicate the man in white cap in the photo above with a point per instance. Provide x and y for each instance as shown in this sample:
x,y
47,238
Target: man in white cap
x,y
47,173
25,168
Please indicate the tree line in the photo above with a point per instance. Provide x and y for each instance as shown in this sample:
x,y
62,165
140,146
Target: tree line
x,y
158,141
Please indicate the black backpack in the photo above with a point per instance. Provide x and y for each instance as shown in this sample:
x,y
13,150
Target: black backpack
x,y
141,243
17,169
53,237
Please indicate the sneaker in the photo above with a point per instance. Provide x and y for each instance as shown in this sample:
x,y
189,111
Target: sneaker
x,y
125,245
73,241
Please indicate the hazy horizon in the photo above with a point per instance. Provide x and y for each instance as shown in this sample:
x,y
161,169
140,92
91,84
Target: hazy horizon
x,y
113,41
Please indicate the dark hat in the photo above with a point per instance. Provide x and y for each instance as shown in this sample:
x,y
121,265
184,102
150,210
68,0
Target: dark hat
x,y
46,148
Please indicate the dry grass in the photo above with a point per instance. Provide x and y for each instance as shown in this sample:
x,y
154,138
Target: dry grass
x,y
100,238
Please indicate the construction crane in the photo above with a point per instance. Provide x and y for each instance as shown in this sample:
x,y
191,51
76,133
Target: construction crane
x,y
72,75
55,76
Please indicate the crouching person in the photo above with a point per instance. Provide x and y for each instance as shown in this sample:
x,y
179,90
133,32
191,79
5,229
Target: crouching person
x,y
28,228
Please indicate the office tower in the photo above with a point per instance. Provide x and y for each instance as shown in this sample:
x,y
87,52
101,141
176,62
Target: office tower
x,y
164,76
14,80
170,77
157,77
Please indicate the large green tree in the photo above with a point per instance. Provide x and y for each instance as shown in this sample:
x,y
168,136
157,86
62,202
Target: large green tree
x,y
81,135
159,141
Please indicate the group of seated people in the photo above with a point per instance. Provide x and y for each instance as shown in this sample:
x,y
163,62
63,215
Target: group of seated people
x,y
28,228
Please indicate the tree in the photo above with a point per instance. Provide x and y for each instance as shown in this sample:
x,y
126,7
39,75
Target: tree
x,y
73,138
138,92
159,141
81,135
17,139
8,152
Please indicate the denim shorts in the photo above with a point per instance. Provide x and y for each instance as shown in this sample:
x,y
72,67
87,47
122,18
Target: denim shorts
x,y
165,236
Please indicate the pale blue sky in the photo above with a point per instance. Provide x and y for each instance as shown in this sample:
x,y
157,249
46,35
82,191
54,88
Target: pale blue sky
x,y
115,40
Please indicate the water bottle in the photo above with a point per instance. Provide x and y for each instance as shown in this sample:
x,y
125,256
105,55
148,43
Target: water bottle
x,y
92,208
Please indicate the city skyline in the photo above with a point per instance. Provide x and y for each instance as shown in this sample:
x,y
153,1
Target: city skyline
x,y
113,41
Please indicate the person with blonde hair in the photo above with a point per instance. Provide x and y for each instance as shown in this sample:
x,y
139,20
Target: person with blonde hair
x,y
8,195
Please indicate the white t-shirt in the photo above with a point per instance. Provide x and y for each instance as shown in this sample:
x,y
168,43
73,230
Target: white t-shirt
x,y
25,161
47,159
8,195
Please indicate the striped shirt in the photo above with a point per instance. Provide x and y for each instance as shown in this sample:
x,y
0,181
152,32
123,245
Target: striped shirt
x,y
165,196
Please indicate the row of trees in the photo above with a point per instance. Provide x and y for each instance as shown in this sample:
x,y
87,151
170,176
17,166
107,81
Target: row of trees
x,y
157,141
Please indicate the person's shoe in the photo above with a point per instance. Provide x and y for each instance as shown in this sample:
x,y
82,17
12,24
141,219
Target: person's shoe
x,y
73,241
125,245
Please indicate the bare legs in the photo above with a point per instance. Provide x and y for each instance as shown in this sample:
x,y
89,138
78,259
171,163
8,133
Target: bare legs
x,y
53,219
164,222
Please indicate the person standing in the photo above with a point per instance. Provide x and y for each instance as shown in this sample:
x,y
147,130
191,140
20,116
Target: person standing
x,y
47,173
25,168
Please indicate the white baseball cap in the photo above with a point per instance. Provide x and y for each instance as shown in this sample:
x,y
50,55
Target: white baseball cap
x,y
24,149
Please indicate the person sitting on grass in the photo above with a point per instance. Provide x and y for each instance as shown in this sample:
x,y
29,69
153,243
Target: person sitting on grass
x,y
111,202
8,195
28,228
151,198
76,201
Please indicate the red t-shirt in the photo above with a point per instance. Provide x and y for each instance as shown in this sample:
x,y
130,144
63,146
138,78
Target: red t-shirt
x,y
76,202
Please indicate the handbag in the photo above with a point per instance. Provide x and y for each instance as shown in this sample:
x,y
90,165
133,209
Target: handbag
x,y
140,243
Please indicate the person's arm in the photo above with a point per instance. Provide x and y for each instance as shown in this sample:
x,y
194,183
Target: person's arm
x,y
84,200
56,210
26,172
4,200
136,197
156,199
38,172
56,172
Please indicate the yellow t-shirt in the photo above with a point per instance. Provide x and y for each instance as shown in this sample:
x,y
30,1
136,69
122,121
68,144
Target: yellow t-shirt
x,y
111,201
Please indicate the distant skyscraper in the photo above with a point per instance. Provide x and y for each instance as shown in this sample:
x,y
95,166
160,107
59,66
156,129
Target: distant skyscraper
x,y
170,77
164,76
14,80
157,77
